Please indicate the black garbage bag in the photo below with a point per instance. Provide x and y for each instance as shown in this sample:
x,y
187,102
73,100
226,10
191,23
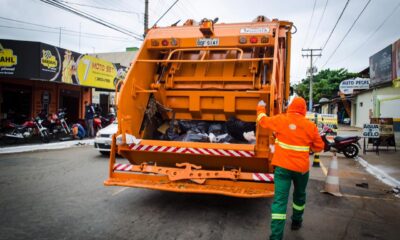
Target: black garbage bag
x,y
193,126
236,128
194,137
171,134
217,129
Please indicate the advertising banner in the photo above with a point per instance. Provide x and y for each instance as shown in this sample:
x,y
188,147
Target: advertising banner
x,y
96,72
34,60
50,65
18,59
380,66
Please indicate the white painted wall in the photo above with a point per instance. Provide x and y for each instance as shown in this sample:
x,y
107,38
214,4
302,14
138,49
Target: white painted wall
x,y
364,102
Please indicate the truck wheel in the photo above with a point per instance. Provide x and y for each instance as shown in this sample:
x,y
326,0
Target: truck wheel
x,y
350,151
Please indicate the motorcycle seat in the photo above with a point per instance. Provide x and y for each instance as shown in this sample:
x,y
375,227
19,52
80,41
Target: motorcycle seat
x,y
339,138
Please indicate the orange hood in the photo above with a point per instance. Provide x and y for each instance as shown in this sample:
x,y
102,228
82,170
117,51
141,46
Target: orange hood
x,y
298,105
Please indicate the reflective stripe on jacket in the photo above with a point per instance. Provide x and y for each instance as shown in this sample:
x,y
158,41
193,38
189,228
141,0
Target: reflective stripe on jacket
x,y
295,137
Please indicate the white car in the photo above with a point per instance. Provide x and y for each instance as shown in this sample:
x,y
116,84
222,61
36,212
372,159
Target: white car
x,y
102,142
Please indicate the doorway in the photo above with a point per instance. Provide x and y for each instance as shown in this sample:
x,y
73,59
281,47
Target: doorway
x,y
17,102
70,100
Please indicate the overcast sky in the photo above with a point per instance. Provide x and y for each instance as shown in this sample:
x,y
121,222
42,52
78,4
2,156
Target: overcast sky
x,y
353,53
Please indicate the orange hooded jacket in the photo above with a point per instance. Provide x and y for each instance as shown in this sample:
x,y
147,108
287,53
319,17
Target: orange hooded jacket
x,y
295,136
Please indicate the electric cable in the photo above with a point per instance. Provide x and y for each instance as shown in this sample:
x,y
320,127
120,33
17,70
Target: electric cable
x,y
309,24
319,22
347,33
334,27
372,33
92,18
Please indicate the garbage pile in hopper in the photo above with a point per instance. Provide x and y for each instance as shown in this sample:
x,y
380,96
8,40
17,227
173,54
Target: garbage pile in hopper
x,y
231,131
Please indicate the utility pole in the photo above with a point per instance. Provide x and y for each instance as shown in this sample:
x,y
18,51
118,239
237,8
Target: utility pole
x,y
312,52
146,17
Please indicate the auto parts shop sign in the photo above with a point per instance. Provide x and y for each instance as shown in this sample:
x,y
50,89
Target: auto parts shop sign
x,y
349,85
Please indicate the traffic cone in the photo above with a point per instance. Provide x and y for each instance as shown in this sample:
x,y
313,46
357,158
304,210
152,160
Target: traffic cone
x,y
332,180
316,160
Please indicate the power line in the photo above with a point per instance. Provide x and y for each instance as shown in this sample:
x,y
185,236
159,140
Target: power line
x,y
57,28
334,27
309,24
347,33
319,22
165,13
92,18
102,8
372,33
46,31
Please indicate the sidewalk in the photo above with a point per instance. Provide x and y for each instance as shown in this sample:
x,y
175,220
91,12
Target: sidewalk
x,y
385,166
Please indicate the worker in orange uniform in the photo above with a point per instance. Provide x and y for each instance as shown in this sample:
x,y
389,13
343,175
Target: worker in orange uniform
x,y
295,136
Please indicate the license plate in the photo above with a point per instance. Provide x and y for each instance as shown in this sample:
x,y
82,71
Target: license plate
x,y
107,142
204,42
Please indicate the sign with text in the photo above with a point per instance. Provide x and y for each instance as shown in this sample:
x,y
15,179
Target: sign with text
x,y
371,131
93,71
40,61
349,85
18,59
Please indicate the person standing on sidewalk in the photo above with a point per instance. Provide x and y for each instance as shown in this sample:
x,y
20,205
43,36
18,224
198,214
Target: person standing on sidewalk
x,y
89,116
295,136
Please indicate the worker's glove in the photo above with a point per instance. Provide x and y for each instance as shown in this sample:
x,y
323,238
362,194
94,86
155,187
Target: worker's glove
x,y
262,103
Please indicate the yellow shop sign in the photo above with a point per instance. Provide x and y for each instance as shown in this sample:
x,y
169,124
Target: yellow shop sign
x,y
7,58
48,59
95,72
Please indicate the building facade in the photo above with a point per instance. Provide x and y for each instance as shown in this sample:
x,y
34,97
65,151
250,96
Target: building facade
x,y
37,77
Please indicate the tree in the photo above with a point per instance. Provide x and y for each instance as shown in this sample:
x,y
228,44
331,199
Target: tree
x,y
326,84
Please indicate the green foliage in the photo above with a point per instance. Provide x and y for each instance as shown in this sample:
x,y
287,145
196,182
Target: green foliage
x,y
326,84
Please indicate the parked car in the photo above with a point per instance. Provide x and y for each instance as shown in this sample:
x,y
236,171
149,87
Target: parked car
x,y
102,142
346,121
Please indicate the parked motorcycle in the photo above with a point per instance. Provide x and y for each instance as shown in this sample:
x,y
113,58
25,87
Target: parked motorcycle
x,y
349,145
28,130
61,121
105,121
97,123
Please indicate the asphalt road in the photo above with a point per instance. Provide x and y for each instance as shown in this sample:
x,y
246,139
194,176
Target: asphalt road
x,y
60,195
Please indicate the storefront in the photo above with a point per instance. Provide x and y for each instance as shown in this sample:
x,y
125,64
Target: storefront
x,y
382,99
37,77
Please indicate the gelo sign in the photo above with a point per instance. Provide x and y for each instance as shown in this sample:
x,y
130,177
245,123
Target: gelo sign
x,y
371,131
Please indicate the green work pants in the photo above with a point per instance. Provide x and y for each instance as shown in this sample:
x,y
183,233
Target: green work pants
x,y
283,180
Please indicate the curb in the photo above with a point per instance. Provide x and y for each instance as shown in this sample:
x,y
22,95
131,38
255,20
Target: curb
x,y
47,146
378,173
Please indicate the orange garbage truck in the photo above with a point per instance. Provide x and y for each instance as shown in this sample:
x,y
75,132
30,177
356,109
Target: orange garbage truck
x,y
187,108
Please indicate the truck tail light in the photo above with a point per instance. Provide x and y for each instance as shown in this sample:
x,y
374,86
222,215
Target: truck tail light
x,y
253,40
242,40
154,43
164,42
174,42
264,39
